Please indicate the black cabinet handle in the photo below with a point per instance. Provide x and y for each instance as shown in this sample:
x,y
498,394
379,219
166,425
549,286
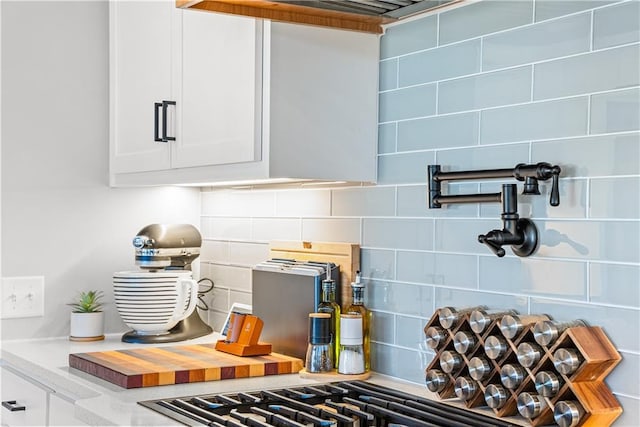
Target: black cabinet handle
x,y
165,105
13,406
156,121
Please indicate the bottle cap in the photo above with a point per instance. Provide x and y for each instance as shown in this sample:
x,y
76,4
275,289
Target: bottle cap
x,y
350,329
319,328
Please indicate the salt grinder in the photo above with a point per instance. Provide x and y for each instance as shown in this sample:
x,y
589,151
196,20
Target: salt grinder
x,y
319,353
351,359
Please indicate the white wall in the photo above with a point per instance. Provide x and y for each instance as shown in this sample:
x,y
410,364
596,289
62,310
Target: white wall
x,y
60,219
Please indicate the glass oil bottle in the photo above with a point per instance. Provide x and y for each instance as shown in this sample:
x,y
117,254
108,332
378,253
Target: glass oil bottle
x,y
358,307
329,305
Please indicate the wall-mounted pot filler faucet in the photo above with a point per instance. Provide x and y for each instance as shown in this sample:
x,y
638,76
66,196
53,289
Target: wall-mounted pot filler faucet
x,y
520,233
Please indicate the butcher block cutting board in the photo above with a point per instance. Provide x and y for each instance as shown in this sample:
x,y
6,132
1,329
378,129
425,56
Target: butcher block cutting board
x,y
153,366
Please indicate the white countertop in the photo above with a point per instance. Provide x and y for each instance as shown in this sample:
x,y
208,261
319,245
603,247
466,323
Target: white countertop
x,y
98,402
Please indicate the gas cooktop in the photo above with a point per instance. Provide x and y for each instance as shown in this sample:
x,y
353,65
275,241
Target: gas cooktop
x,y
348,403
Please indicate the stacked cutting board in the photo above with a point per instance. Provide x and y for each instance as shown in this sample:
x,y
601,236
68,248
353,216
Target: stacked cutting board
x,y
153,366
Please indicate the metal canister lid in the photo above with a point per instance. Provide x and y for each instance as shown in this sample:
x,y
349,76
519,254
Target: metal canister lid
x,y
511,326
448,317
511,376
566,360
495,396
450,361
547,383
545,332
463,341
436,381
568,413
479,368
479,320
465,388
530,405
435,336
528,354
495,347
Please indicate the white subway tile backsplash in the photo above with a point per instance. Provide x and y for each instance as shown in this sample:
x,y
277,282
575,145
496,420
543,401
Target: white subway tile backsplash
x,y
546,40
231,277
363,201
486,90
248,254
404,168
580,112
547,9
240,297
413,36
458,271
377,263
331,230
592,156
615,198
412,300
265,229
387,138
615,111
441,63
398,233
303,203
226,228
238,203
613,320
590,240
614,284
535,277
630,413
542,120
454,130
616,25
482,18
587,73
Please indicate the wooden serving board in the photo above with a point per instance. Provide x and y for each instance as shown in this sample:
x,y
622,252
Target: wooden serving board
x,y
153,366
346,255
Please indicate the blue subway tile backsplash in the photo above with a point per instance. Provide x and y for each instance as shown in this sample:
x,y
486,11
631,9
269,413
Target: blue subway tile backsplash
x,y
485,85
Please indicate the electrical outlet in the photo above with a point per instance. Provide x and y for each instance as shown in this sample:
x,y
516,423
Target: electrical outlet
x,y
22,297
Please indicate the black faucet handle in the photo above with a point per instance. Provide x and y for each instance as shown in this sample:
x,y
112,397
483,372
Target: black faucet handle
x,y
488,239
546,171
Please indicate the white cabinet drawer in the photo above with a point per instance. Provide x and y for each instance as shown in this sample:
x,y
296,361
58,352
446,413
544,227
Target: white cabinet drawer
x,y
24,393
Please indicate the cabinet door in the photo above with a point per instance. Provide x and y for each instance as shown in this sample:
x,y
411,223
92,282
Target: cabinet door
x,y
61,412
220,105
142,61
25,394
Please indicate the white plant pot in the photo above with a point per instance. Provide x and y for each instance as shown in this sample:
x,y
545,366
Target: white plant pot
x,y
87,326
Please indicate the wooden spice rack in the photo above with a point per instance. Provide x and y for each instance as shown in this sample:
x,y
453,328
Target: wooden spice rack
x,y
585,385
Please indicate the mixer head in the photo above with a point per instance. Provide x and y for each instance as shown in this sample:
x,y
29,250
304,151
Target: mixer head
x,y
160,246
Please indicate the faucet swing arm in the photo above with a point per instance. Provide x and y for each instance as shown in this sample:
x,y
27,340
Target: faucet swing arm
x,y
520,233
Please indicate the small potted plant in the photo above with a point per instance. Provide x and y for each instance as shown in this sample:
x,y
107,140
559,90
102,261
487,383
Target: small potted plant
x,y
87,317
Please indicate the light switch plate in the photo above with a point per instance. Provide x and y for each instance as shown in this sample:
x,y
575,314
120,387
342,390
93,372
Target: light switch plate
x,y
22,297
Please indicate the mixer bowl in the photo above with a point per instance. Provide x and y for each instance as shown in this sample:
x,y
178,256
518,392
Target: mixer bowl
x,y
151,303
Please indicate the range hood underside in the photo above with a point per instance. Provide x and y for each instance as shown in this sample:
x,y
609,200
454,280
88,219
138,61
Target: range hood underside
x,y
358,15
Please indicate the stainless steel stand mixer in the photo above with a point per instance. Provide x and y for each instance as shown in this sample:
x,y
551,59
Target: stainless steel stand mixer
x,y
164,248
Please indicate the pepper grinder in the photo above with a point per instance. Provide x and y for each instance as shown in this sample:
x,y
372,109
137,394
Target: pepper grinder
x,y
351,359
319,352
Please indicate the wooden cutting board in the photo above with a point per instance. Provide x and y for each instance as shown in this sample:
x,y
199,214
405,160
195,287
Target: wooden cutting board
x,y
153,366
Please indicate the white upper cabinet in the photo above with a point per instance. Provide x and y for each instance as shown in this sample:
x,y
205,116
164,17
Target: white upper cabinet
x,y
253,100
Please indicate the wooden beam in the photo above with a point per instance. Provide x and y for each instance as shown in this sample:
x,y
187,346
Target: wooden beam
x,y
291,13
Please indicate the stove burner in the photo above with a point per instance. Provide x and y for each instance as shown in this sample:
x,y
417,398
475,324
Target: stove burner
x,y
340,404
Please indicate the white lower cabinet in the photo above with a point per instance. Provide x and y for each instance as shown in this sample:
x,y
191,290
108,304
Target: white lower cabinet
x,y
26,402
23,402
